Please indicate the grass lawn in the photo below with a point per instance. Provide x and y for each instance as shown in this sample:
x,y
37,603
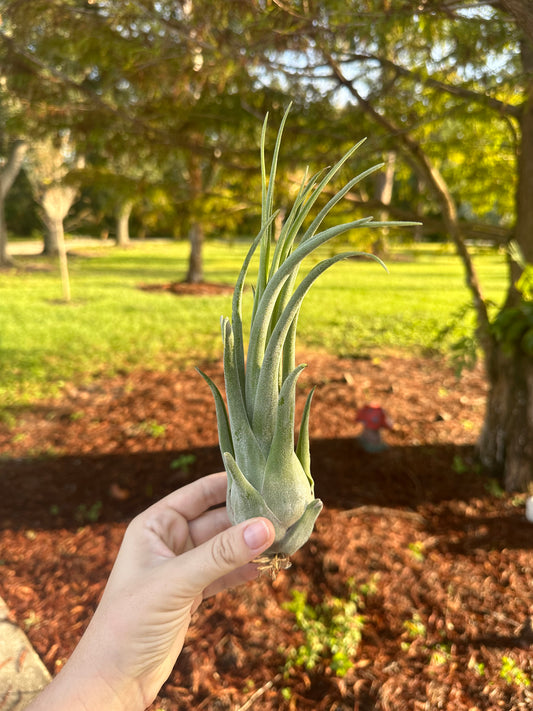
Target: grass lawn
x,y
354,309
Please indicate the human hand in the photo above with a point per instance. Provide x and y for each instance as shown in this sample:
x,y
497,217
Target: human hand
x,y
173,555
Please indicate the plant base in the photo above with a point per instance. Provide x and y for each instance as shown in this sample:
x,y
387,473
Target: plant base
x,y
272,563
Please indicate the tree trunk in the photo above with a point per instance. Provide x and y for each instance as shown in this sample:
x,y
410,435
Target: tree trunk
x,y
4,257
383,185
54,229
195,272
524,191
56,201
55,240
63,265
7,178
506,442
122,214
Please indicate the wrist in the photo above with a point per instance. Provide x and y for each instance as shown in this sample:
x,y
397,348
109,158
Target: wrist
x,y
88,683
83,688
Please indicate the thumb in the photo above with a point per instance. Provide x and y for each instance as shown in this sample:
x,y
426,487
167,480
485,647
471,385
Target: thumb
x,y
221,555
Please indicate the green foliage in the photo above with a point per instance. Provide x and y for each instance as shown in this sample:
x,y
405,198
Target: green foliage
x,y
332,632
512,674
144,93
494,488
152,428
444,77
478,667
440,655
183,462
144,89
88,513
418,550
463,347
525,283
415,627
513,328
459,466
513,325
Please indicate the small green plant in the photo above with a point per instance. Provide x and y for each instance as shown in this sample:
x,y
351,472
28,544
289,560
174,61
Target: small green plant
x,y
286,693
88,513
153,428
494,488
366,589
459,466
440,655
183,462
512,674
332,632
519,500
418,551
415,627
478,667
31,620
463,348
248,686
462,466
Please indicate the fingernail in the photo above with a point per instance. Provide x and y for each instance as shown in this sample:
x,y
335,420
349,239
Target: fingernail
x,y
256,535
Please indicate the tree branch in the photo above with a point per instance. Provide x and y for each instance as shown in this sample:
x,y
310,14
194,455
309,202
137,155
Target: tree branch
x,y
463,92
438,187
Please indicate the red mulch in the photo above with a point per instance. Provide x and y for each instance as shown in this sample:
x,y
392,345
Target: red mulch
x,y
449,555
184,288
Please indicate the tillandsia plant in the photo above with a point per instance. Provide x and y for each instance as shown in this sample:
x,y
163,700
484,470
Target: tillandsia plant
x,y
267,475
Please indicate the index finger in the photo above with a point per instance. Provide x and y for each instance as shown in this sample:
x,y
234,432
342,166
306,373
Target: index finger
x,y
193,499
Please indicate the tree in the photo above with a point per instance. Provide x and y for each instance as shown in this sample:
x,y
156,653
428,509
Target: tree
x,y
8,174
50,171
415,70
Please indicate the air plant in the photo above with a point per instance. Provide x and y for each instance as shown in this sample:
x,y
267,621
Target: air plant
x,y
267,475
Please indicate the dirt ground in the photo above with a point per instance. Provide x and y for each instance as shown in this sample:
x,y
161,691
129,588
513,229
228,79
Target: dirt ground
x,y
440,556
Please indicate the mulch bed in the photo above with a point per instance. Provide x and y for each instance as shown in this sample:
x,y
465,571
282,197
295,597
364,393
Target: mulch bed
x,y
448,624
184,288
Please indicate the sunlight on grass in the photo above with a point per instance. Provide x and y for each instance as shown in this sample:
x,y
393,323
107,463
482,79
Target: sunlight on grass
x,y
111,324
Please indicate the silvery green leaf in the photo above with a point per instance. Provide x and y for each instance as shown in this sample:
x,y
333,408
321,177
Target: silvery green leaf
x,y
299,533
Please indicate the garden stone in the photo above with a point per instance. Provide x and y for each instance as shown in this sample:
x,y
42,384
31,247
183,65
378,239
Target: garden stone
x,y
22,673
